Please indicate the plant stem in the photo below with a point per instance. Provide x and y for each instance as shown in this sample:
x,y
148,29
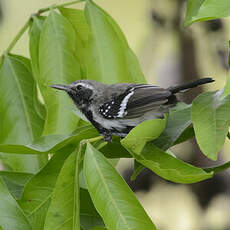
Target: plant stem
x,y
18,36
61,5
94,139
218,169
79,158
25,27
76,220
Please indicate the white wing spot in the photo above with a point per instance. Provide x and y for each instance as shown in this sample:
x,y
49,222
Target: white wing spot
x,y
124,103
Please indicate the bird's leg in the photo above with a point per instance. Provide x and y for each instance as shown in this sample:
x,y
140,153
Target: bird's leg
x,y
107,136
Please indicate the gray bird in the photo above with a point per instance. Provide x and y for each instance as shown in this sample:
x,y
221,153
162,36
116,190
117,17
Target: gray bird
x,y
116,109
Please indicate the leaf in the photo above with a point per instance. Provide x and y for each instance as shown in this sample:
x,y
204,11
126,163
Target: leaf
x,y
115,150
20,123
64,211
89,215
141,134
211,120
109,58
15,181
226,88
178,121
58,64
187,134
98,228
40,186
137,170
36,197
51,143
34,33
11,215
169,167
78,21
24,162
202,10
117,198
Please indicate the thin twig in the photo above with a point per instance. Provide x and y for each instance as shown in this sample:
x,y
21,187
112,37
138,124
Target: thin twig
x,y
27,24
57,6
18,36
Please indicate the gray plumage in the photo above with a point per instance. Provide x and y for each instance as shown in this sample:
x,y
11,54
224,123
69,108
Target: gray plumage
x,y
116,109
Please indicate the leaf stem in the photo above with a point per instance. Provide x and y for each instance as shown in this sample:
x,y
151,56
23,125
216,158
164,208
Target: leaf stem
x,y
218,169
57,6
94,139
25,27
76,220
18,36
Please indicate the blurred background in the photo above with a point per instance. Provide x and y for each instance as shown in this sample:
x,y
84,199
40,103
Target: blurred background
x,y
169,54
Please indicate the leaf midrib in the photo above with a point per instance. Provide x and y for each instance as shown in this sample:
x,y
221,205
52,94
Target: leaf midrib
x,y
110,195
27,117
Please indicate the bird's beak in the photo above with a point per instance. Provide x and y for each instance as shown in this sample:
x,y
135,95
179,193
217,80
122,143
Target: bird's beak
x,y
61,87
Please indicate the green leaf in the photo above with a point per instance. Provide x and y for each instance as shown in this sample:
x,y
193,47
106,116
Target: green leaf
x,y
51,143
88,214
144,132
78,21
15,181
34,33
187,134
37,193
58,64
98,228
202,10
169,167
226,88
24,162
115,149
64,211
20,123
179,120
211,120
138,167
109,58
11,215
117,198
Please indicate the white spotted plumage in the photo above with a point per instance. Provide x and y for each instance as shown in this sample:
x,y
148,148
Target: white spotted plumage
x,y
124,102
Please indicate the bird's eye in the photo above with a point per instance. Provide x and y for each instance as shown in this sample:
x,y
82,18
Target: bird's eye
x,y
79,87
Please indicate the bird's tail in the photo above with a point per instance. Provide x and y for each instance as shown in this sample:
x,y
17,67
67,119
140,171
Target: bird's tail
x,y
180,88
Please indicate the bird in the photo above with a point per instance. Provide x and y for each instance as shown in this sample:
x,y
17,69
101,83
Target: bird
x,y
115,109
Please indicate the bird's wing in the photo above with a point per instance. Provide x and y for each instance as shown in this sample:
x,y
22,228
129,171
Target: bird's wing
x,y
135,101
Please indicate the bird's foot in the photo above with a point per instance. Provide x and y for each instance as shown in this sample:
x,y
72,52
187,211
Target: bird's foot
x,y
107,137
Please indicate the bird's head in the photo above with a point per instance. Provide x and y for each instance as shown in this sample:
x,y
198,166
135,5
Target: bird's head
x,y
82,92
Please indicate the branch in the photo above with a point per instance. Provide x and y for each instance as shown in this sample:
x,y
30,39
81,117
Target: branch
x,y
57,6
27,24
